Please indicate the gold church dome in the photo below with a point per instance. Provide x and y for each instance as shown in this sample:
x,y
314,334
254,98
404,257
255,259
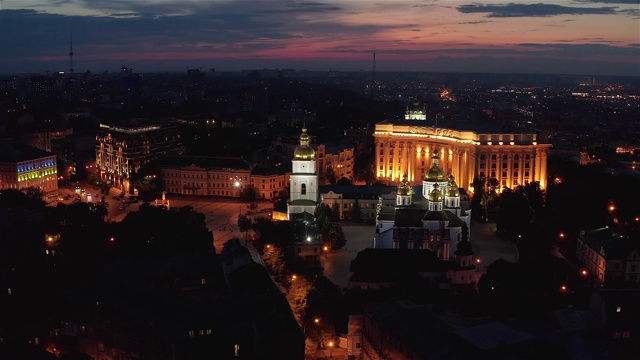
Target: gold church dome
x,y
452,187
435,173
404,188
304,151
436,194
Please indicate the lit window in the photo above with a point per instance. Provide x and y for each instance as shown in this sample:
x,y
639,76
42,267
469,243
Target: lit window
x,y
191,334
619,309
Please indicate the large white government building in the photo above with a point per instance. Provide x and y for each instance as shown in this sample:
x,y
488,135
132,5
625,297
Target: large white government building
x,y
405,147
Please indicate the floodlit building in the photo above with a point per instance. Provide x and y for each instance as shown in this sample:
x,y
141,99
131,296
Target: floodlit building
x,y
404,147
24,166
121,150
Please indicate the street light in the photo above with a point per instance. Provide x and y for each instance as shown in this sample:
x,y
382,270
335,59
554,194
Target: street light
x,y
330,349
304,328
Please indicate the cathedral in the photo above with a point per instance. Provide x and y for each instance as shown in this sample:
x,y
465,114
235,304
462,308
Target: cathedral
x,y
435,216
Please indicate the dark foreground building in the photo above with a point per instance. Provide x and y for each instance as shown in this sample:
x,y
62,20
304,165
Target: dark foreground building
x,y
198,307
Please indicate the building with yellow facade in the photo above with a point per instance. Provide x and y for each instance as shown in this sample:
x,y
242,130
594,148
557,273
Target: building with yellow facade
x,y
24,166
405,147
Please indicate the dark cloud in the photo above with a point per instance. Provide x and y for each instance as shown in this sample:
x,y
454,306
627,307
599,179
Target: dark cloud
x,y
475,22
628,2
532,10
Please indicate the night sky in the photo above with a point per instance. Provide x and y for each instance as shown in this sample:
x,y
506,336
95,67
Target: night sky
x,y
597,37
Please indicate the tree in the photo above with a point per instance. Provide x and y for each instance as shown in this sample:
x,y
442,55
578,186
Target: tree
x,y
32,192
299,292
273,258
534,194
355,214
485,191
280,202
249,193
363,169
244,224
514,214
333,236
330,176
334,215
252,207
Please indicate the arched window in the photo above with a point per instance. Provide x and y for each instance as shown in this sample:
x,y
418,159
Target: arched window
x,y
303,189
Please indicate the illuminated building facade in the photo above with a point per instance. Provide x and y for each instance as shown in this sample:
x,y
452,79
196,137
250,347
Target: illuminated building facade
x,y
338,158
405,147
608,257
23,166
122,150
205,176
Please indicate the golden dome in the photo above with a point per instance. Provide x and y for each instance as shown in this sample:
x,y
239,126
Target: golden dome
x,y
404,188
304,151
435,173
436,194
452,187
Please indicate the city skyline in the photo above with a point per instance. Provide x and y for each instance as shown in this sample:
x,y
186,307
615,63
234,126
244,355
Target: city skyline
x,y
591,37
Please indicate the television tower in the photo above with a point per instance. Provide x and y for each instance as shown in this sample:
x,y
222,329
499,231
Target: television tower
x,y
373,76
70,53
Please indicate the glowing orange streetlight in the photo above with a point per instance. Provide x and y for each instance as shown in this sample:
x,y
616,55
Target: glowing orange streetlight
x,y
612,208
563,288
293,278
561,235
478,261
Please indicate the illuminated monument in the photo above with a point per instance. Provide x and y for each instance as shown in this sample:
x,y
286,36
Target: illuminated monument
x,y
405,147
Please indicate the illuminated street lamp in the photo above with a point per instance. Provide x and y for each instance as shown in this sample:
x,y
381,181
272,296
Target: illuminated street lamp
x,y
304,328
330,349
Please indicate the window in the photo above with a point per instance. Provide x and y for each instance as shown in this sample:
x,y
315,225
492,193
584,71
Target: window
x,y
618,309
303,189
493,157
357,345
